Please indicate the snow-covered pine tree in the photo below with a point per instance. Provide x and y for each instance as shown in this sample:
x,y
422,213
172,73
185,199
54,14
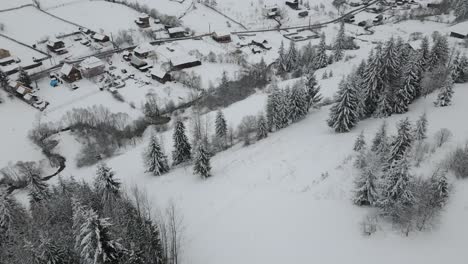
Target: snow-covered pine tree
x,y
298,104
396,191
282,58
444,98
6,214
307,56
439,54
385,105
280,114
221,126
96,244
425,53
38,188
421,128
105,183
24,78
312,90
410,87
182,148
202,165
390,64
343,114
270,111
3,80
262,127
154,158
461,70
380,141
366,187
439,187
339,45
292,58
461,9
372,82
360,142
402,142
321,59
49,252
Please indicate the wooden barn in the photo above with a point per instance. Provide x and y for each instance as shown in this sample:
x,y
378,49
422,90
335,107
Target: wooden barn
x,y
160,75
4,54
223,37
143,21
91,67
56,46
183,62
70,73
177,32
101,38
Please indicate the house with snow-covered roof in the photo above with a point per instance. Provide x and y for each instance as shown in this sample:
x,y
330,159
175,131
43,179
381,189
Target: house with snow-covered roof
x,y
222,36
143,20
177,32
183,62
70,73
160,75
144,50
56,45
91,67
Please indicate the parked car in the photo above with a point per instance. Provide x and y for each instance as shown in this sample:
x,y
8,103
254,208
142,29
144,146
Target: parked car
x,y
362,23
349,19
378,19
74,86
123,71
85,42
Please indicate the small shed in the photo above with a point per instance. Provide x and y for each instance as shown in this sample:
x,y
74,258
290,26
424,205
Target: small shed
x,y
222,37
70,73
177,32
55,45
91,67
7,61
101,38
294,4
459,35
160,75
271,11
183,62
143,21
144,50
23,90
138,62
4,53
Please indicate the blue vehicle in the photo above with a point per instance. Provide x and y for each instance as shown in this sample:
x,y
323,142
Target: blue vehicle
x,y
54,82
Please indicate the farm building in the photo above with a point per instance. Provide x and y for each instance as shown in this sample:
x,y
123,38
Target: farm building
x,y
70,73
7,61
143,21
4,53
294,4
222,37
101,38
91,67
137,62
160,75
183,62
56,46
10,69
459,35
144,50
270,11
177,32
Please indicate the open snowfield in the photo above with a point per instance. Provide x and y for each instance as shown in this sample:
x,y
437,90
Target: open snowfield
x,y
18,50
42,25
6,4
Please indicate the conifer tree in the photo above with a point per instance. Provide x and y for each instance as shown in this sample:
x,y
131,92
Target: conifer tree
x,y
221,126
270,111
385,105
6,214
298,104
105,183
282,58
380,140
366,187
439,54
262,127
397,191
308,56
339,45
424,52
182,148
312,90
202,165
292,57
421,128
96,242
461,70
38,188
402,142
3,80
439,187
360,142
24,78
321,60
343,114
280,106
444,98
154,158
49,252
372,82
461,9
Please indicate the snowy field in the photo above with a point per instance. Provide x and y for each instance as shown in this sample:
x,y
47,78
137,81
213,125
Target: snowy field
x,y
43,26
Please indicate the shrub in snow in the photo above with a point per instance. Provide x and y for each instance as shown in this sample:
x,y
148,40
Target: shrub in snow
x,y
360,142
458,162
444,98
441,137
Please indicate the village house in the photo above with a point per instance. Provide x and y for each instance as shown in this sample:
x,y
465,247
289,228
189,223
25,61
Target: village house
x,y
4,53
91,67
177,32
7,61
271,11
70,73
101,38
19,88
138,62
294,4
143,21
56,46
459,34
222,37
183,62
160,75
144,50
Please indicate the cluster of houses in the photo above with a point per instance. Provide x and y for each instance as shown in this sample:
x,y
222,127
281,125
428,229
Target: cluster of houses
x,y
88,68
10,64
27,94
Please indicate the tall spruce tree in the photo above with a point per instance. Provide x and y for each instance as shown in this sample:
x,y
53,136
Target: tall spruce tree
x,y
182,148
360,142
202,165
390,67
313,95
292,58
308,56
372,82
23,77
280,106
444,98
439,55
298,104
340,42
366,187
154,158
439,187
344,113
262,127
221,127
321,59
402,142
461,70
106,184
282,58
421,128
385,105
